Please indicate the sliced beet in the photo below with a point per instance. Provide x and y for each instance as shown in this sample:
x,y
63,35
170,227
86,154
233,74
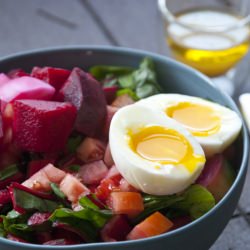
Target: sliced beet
x,y
86,94
217,176
42,126
116,229
18,177
60,242
15,238
25,88
54,76
1,132
4,197
40,221
110,93
16,73
180,221
3,79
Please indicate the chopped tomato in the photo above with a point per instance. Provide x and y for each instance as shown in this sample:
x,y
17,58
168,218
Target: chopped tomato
x,y
73,188
153,225
129,203
41,180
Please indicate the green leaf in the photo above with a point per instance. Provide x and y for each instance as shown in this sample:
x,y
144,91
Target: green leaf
x,y
127,81
88,220
197,201
101,71
8,172
16,223
74,168
31,202
146,90
57,191
194,201
73,143
130,92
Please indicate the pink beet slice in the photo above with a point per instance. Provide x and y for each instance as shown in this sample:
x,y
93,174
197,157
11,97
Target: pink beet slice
x,y
217,176
42,126
25,88
16,73
54,76
86,94
3,79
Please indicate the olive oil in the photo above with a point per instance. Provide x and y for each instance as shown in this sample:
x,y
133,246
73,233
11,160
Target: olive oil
x,y
211,50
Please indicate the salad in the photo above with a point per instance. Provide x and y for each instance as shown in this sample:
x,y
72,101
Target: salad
x,y
104,155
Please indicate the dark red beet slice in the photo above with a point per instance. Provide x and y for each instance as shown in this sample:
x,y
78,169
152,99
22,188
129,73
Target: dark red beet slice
x,y
38,219
63,230
18,177
4,197
54,76
110,93
60,242
180,221
42,126
116,229
36,165
1,132
217,176
15,238
31,191
42,237
16,73
86,94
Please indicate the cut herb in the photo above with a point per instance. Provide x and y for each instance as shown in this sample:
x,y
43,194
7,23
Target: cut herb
x,y
102,71
73,143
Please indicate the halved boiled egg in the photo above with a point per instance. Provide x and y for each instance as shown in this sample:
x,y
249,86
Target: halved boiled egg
x,y
214,126
154,153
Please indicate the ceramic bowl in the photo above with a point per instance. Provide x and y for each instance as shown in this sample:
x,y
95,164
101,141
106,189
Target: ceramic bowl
x,y
174,78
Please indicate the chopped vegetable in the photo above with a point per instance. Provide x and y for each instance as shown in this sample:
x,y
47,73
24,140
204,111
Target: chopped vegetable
x,y
129,203
155,224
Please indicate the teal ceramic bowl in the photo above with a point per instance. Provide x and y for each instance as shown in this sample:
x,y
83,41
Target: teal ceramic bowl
x,y
174,78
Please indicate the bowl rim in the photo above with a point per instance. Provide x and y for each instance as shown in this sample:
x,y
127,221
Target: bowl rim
x,y
161,58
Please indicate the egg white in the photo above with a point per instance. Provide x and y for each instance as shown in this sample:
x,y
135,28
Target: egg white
x,y
141,173
230,124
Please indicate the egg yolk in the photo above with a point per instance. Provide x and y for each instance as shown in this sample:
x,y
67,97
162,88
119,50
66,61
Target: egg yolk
x,y
165,146
200,120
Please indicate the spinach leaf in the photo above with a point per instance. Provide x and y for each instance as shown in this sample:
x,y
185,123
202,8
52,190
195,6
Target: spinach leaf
x,y
87,221
61,197
16,223
73,143
30,202
74,168
101,71
194,201
8,172
130,92
197,201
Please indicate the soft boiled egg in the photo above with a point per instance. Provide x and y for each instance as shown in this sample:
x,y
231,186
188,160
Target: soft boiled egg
x,y
154,153
214,126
